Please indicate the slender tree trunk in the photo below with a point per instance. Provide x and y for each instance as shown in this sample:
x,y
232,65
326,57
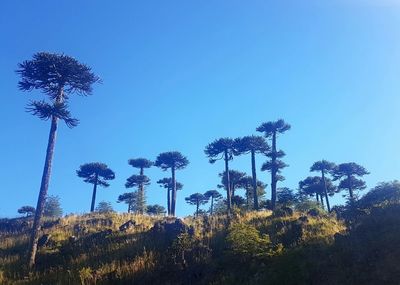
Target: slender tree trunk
x,y
141,194
197,209
273,172
129,207
169,200
212,205
322,201
94,193
44,185
254,176
351,191
228,183
173,204
316,195
326,191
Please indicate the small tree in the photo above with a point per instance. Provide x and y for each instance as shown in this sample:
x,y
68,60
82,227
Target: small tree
x,y
95,173
252,145
138,181
214,195
129,199
26,210
271,130
235,180
104,207
141,164
52,207
58,76
167,184
286,197
196,199
347,173
223,148
155,210
324,167
173,160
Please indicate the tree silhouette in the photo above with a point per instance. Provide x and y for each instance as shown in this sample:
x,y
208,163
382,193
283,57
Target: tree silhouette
x,y
138,181
104,207
196,199
314,185
58,76
223,148
141,163
52,207
214,195
252,145
173,160
324,167
286,197
155,210
271,130
95,173
235,180
26,210
129,199
167,184
347,173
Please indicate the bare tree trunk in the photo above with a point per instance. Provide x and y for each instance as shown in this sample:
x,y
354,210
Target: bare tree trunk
x,y
254,176
94,193
173,204
326,191
212,205
316,195
169,200
273,172
44,185
197,209
228,183
141,194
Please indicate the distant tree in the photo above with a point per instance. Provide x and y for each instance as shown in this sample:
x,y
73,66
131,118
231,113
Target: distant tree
x,y
384,194
286,197
223,148
173,160
104,207
52,207
138,181
252,145
167,184
214,195
238,201
129,198
141,164
314,186
235,180
58,76
26,210
247,184
95,173
324,167
347,173
271,130
196,199
155,210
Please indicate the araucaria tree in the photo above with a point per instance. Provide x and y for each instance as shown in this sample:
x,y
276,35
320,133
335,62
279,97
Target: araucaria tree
x,y
138,181
95,173
58,76
196,199
214,196
347,173
314,185
173,160
167,184
223,148
252,145
271,130
130,199
27,210
141,163
324,167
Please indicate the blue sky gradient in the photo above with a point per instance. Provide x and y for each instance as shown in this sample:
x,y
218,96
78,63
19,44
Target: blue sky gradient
x,y
179,74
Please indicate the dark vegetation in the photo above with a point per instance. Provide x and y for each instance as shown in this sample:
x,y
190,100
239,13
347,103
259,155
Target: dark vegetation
x,y
295,237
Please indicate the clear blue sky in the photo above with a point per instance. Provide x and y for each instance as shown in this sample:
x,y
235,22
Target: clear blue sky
x,y
178,74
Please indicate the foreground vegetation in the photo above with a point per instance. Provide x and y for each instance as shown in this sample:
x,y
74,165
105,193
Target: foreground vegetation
x,y
306,245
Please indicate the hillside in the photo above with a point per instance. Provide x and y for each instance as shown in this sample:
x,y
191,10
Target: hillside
x,y
251,248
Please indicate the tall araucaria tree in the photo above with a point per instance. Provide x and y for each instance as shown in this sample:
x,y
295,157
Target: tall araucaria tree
x,y
324,167
196,199
215,196
271,130
138,181
167,184
173,160
223,148
58,76
252,145
130,199
141,164
347,173
95,173
314,185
